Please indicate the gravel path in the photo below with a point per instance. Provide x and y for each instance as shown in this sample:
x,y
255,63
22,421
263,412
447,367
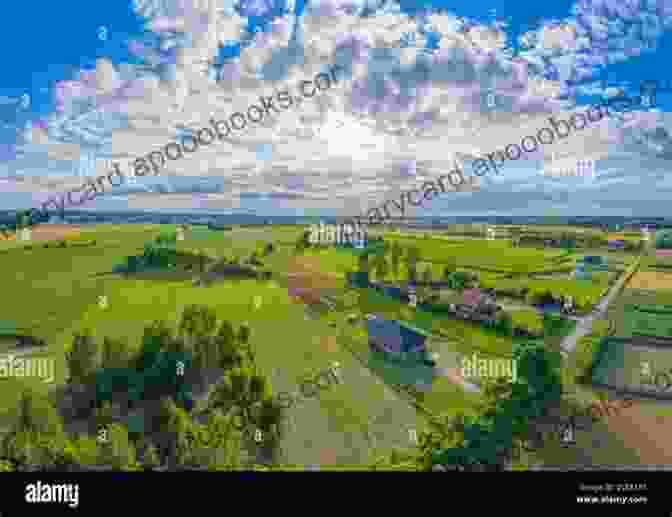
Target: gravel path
x,y
585,324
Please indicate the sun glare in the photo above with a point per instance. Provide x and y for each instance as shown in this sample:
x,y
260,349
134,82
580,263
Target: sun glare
x,y
344,135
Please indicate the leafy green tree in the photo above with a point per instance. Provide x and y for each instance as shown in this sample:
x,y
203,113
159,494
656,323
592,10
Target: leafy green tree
x,y
505,324
427,275
82,360
37,426
240,394
381,267
395,258
412,258
198,322
6,466
364,263
156,337
226,440
303,242
174,425
103,416
35,413
150,458
229,353
244,334
117,451
116,353
458,280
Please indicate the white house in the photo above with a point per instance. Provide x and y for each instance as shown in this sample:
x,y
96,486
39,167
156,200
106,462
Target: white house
x,y
179,233
492,233
25,234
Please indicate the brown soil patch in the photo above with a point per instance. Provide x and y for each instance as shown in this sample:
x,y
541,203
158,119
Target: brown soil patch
x,y
329,344
328,457
50,232
305,282
648,435
651,280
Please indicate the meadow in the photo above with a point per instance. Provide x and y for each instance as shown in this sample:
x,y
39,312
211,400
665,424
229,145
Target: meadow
x,y
620,314
495,256
363,416
335,428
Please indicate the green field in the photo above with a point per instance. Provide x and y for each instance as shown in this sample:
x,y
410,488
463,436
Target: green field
x,y
64,299
626,322
620,366
54,292
494,256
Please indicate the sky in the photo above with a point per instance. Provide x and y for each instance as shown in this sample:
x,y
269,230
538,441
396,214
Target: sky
x,y
425,85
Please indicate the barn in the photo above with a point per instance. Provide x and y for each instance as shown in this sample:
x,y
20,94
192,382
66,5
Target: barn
x,y
396,339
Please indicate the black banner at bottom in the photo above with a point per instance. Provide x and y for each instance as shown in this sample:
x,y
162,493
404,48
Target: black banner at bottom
x,y
182,493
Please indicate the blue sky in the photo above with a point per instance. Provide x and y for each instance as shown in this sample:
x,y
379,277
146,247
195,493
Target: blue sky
x,y
48,146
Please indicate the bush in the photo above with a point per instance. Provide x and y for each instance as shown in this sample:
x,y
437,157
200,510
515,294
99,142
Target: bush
x,y
540,297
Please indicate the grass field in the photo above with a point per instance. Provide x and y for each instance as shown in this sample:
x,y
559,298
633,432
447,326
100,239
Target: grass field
x,y
337,427
621,366
495,256
345,425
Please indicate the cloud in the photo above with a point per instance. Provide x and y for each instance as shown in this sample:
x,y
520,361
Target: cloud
x,y
399,103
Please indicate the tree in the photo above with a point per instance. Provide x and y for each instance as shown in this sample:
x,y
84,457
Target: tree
x,y
505,324
364,263
395,258
412,258
82,359
36,414
229,353
115,353
174,425
381,268
150,458
201,260
458,280
156,337
198,322
427,275
244,334
103,417
36,430
225,439
117,451
240,394
302,242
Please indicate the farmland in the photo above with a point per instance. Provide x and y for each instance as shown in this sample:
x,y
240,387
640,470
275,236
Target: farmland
x,y
493,256
378,402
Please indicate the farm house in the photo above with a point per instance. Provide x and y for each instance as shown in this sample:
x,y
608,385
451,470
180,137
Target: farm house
x,y
397,340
